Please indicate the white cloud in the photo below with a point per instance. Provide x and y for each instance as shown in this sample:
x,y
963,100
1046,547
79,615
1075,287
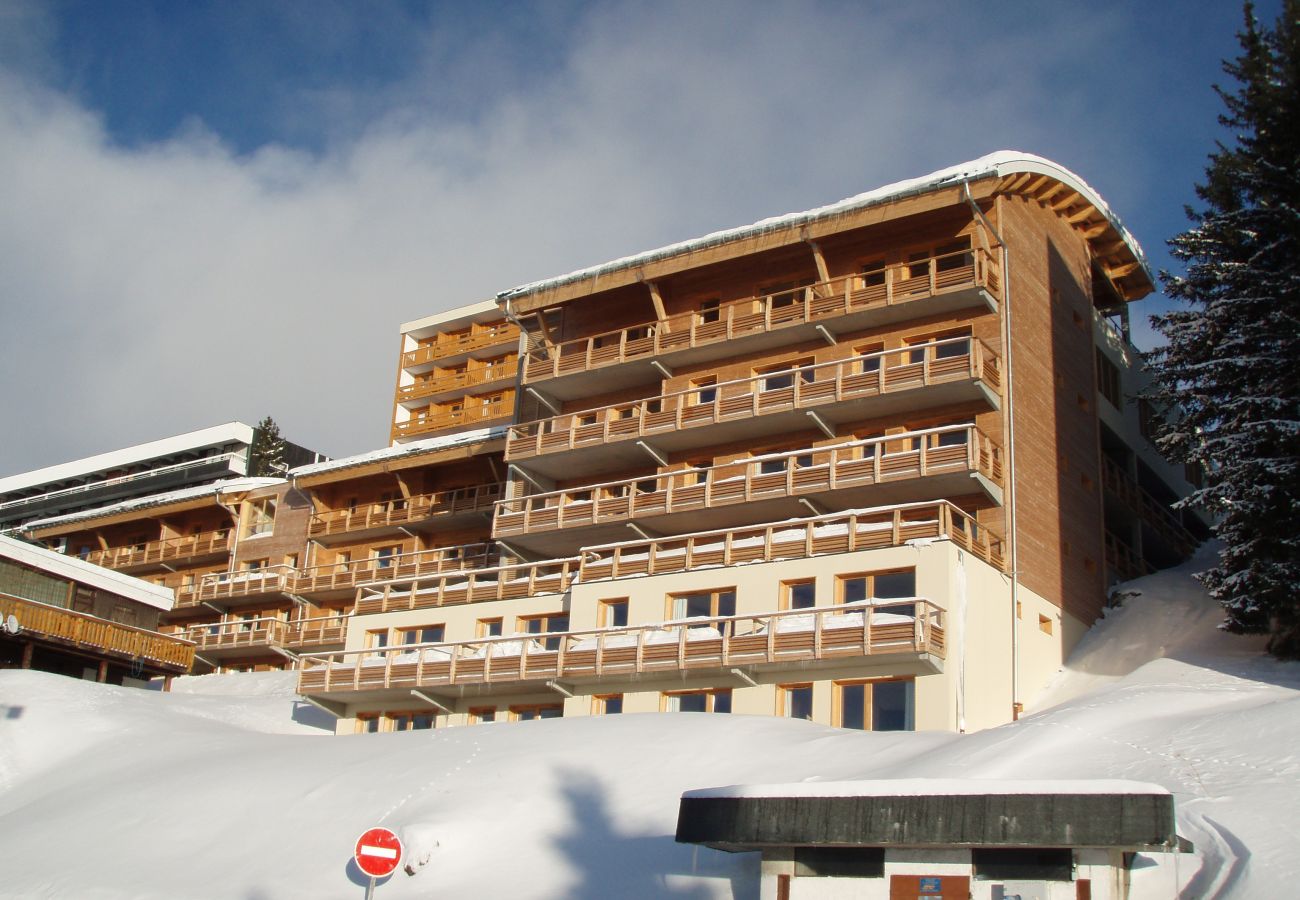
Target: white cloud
x,y
153,290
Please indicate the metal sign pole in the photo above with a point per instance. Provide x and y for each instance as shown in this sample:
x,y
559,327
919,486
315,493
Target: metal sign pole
x,y
370,889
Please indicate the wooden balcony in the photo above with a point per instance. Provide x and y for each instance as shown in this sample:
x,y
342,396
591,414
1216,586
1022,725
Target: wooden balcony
x,y
505,334
160,653
185,548
901,636
932,374
470,416
1123,561
405,512
242,585
796,539
458,382
929,464
1157,515
345,577
469,586
249,636
939,284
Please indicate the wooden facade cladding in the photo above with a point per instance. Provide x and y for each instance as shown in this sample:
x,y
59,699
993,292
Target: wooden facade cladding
x,y
481,414
939,461
336,576
267,633
775,640
801,539
91,634
1152,512
502,334
406,510
940,283
969,367
459,382
186,548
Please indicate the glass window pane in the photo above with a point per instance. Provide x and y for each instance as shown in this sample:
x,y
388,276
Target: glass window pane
x,y
613,705
799,702
852,704
803,596
896,584
727,603
691,702
722,702
855,589
891,706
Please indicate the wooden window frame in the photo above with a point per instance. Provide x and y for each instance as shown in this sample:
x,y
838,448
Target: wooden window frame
x,y
715,596
841,582
869,701
711,697
605,608
789,589
784,694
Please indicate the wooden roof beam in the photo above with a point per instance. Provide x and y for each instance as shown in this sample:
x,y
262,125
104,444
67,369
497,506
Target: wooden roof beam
x,y
1065,203
1047,195
1036,184
1082,216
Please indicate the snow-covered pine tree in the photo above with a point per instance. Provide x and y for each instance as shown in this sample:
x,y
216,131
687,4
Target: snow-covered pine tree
x,y
1229,375
266,456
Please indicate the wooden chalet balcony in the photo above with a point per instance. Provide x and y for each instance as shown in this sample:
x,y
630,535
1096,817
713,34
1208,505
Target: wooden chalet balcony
x,y
248,583
458,382
933,463
896,634
233,638
1154,513
938,284
79,631
477,498
504,334
154,553
931,374
470,415
869,529
1123,561
347,576
469,586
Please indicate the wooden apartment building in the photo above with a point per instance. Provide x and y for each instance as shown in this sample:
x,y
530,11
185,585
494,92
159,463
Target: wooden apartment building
x,y
875,464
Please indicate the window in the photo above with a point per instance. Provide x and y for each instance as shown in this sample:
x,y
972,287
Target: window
x,y
873,273
949,345
869,358
776,465
778,378
839,862
799,594
1027,864
1108,382
1044,624
384,556
704,604
260,517
479,714
697,472
411,721
377,640
607,704
488,628
548,623
527,713
343,560
710,311
795,701
715,701
955,255
255,565
704,391
422,634
367,723
955,436
612,613
875,705
878,585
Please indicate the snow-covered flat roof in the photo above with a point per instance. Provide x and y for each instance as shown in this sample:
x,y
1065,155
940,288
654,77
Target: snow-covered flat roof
x,y
218,435
73,569
402,450
177,496
1001,163
930,787
484,310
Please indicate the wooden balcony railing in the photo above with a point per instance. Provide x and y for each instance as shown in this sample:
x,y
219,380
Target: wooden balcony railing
x,y
1123,561
469,415
407,510
333,576
913,454
447,346
244,583
848,532
456,381
91,633
165,550
265,633
775,639
884,287
470,586
809,387
1158,515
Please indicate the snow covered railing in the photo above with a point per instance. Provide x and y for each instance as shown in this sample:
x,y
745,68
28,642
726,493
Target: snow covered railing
x,y
164,550
244,583
877,288
374,570
469,585
87,632
807,387
846,532
448,345
457,381
794,473
403,510
263,632
432,420
910,627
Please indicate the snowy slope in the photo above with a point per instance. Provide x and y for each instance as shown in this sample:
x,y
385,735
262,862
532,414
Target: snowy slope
x,y
224,788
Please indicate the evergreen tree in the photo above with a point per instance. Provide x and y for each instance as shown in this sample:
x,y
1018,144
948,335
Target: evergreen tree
x,y
266,456
1229,375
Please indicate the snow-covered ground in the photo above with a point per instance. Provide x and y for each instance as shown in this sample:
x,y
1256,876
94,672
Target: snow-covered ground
x,y
228,787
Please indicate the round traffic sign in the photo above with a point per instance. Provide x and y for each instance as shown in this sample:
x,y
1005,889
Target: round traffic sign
x,y
379,852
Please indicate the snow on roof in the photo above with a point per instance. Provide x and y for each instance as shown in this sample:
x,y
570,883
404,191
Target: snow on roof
x,y
1003,162
73,569
427,445
216,487
484,310
929,787
218,435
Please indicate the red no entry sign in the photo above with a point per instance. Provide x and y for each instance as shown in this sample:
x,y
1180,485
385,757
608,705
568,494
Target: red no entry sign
x,y
378,852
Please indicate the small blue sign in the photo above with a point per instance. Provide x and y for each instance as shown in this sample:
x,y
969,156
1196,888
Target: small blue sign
x,y
931,886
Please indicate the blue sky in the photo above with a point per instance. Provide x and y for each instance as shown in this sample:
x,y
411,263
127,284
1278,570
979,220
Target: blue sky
x,y
223,210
